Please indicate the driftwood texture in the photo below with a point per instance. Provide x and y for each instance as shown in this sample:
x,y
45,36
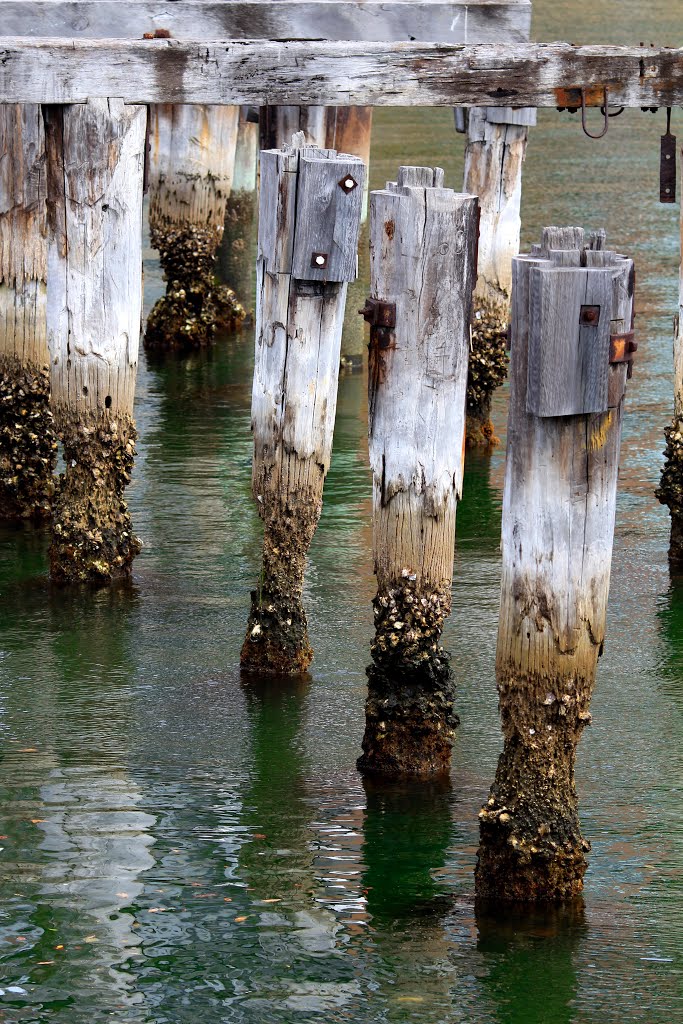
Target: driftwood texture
x,y
558,523
94,302
191,165
422,246
380,20
27,440
305,216
402,74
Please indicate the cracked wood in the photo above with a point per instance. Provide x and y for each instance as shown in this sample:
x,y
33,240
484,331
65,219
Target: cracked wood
x,y
338,73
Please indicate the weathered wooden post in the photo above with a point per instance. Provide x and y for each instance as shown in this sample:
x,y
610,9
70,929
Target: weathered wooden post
x,y
94,301
494,155
422,260
235,255
349,130
670,490
309,220
191,162
28,445
572,341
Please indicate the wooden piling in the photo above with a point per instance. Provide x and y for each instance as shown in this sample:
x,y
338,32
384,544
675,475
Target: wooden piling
x,y
309,218
422,259
28,445
670,490
191,163
571,309
236,252
494,155
94,300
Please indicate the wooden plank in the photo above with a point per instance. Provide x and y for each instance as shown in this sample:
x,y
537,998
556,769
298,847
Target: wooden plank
x,y
477,21
326,243
568,360
338,73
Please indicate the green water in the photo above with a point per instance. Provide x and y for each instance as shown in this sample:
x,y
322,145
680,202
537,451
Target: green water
x,y
179,846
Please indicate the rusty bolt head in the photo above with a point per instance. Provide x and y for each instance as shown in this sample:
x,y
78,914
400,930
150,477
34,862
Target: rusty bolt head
x,y
589,315
347,183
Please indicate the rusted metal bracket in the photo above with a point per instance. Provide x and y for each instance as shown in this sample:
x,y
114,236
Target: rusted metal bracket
x,y
378,313
667,164
622,348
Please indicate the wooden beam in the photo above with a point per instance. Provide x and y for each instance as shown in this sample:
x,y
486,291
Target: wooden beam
x,y
338,74
476,21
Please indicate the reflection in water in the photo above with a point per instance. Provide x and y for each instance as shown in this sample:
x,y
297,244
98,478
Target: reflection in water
x,y
531,961
407,831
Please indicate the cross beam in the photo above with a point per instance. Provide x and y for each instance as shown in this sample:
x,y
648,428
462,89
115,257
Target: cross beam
x,y
338,73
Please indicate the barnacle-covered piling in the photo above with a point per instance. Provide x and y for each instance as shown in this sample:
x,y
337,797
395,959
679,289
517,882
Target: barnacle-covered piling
x,y
419,339
670,491
494,155
564,430
191,159
28,445
94,297
309,219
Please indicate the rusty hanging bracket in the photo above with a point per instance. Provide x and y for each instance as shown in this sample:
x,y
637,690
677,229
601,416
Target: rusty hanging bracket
x,y
605,113
667,164
378,313
622,348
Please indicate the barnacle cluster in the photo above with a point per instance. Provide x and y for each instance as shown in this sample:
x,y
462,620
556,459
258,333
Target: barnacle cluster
x,y
195,304
410,721
670,490
28,443
488,365
92,533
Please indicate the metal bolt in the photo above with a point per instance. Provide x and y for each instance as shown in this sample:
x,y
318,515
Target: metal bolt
x,y
589,315
347,183
319,260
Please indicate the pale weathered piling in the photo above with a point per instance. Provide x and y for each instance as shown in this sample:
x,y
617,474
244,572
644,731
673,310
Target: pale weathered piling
x,y
236,255
309,217
191,163
494,155
422,259
94,302
28,445
670,490
571,338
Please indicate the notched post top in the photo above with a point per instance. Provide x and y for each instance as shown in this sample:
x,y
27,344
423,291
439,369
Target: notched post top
x,y
318,202
580,315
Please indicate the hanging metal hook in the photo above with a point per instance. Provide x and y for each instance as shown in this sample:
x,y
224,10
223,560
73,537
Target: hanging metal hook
x,y
583,116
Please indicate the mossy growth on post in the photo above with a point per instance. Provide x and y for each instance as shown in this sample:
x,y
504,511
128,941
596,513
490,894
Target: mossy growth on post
x,y
422,245
28,444
94,303
191,160
670,490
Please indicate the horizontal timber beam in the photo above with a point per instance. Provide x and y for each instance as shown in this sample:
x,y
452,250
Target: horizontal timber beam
x,y
477,21
338,73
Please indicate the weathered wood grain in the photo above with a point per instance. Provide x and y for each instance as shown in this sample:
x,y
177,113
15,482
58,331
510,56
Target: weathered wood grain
x,y
95,158
27,440
298,335
678,335
422,245
558,523
477,21
23,244
568,361
338,73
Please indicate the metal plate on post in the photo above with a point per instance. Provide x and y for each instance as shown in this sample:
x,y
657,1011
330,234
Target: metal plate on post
x,y
329,201
569,340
